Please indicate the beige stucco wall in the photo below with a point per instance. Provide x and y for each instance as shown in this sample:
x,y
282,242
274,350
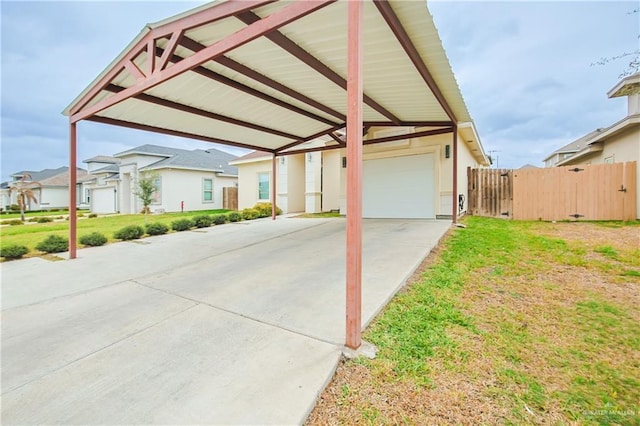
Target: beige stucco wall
x,y
331,165
290,182
248,181
300,176
295,183
443,166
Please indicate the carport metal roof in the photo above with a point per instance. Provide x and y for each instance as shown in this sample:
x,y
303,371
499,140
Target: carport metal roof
x,y
274,76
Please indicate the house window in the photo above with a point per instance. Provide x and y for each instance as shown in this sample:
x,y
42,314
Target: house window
x,y
263,186
157,194
87,194
207,190
608,160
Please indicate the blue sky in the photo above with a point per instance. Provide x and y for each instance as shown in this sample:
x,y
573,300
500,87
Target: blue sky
x,y
524,69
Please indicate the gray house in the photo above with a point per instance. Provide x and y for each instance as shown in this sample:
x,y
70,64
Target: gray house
x,y
184,179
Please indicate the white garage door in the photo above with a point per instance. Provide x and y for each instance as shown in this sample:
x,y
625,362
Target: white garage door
x,y
103,200
399,187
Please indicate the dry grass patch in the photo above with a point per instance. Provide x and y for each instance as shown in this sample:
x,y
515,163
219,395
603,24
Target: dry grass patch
x,y
510,323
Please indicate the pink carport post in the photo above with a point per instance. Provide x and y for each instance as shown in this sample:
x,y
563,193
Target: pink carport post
x,y
73,217
354,176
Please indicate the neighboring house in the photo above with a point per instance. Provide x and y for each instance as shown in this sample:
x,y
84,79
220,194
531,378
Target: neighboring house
x,y
569,150
617,143
410,178
53,192
184,179
528,166
103,187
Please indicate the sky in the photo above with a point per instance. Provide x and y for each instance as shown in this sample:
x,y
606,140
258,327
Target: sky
x,y
524,68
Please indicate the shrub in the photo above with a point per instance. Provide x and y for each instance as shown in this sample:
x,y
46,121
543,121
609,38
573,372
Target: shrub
x,y
13,251
235,216
182,224
264,209
12,222
157,228
53,244
249,214
80,214
32,219
92,215
14,208
44,219
202,221
131,232
93,239
220,219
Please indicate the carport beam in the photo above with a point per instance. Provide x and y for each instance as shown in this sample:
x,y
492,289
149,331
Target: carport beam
x,y
274,193
73,179
454,208
354,176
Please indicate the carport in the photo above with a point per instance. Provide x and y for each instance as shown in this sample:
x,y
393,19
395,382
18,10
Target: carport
x,y
275,76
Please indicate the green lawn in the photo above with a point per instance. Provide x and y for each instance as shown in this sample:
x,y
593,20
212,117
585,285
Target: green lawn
x,y
30,234
511,323
53,213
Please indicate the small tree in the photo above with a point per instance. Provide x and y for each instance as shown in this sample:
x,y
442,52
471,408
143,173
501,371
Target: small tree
x,y
145,189
24,190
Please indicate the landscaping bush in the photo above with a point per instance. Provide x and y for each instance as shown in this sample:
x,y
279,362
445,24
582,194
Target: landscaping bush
x,y
249,214
157,228
264,209
12,222
92,215
80,214
220,219
131,232
53,244
13,251
182,224
44,219
202,221
93,239
14,208
235,216
32,219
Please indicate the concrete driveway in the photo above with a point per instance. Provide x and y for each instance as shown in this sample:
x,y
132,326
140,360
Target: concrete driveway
x,y
234,324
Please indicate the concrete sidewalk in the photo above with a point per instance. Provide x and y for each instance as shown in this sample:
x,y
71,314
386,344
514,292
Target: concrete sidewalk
x,y
234,324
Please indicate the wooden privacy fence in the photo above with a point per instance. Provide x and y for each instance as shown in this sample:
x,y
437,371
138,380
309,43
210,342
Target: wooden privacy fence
x,y
593,192
230,198
490,192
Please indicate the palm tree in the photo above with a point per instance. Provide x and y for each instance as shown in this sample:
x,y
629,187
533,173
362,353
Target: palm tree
x,y
24,192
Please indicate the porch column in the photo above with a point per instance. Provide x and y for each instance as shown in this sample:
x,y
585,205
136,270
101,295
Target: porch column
x,y
454,209
73,217
274,192
354,176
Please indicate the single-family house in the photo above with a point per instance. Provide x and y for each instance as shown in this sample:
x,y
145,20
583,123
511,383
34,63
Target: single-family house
x,y
184,179
52,192
620,142
407,178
